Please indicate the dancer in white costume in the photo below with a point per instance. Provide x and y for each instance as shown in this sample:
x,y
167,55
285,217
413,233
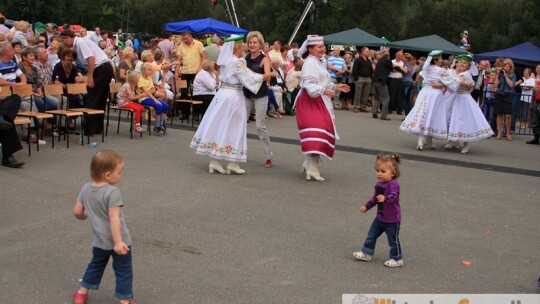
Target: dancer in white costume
x,y
427,118
222,132
466,121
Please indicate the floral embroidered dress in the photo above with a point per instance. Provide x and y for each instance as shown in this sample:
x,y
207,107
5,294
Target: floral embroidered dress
x,y
222,132
314,112
466,122
428,116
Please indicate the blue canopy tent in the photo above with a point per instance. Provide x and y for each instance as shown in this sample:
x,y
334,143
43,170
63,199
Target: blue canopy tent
x,y
207,25
526,54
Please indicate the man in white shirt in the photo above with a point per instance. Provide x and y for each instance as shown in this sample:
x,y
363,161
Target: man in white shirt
x,y
394,83
100,73
96,38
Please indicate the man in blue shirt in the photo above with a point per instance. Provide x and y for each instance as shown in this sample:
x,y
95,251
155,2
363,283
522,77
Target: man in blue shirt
x,y
335,68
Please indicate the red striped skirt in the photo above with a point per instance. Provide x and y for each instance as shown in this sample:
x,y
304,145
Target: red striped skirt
x,y
317,135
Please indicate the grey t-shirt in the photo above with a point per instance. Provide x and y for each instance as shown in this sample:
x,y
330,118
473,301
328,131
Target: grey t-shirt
x,y
97,201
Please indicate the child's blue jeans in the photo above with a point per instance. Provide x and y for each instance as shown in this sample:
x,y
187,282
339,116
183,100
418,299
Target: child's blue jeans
x,y
123,271
392,232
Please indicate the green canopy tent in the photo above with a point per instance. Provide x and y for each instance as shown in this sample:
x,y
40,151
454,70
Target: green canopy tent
x,y
355,37
428,44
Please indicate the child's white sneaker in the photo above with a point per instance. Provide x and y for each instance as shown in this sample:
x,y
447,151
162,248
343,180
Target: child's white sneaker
x,y
393,263
359,255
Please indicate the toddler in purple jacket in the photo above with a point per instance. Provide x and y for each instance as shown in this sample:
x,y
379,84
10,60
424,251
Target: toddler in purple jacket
x,y
388,219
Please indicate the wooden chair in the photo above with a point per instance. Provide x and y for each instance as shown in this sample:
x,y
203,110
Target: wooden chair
x,y
113,89
57,89
80,88
25,90
193,106
179,84
24,121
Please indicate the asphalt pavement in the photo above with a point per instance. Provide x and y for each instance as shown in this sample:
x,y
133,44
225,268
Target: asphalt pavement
x,y
270,236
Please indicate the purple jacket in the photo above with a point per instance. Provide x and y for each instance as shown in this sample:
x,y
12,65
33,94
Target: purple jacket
x,y
389,211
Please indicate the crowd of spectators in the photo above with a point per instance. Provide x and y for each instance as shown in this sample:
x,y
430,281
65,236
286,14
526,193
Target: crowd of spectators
x,y
385,84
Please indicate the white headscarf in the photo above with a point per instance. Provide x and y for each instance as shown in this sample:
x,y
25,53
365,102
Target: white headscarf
x,y
311,40
227,50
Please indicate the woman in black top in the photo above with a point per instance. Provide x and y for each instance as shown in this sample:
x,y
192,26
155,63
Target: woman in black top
x,y
259,63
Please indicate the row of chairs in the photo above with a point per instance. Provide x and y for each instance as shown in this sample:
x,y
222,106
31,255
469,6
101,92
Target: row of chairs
x,y
64,116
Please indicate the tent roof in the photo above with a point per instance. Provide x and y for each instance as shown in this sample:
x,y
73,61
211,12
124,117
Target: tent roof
x,y
207,25
353,36
428,44
525,54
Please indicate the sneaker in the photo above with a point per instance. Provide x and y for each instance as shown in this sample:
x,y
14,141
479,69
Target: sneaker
x,y
80,298
359,255
162,130
393,263
157,131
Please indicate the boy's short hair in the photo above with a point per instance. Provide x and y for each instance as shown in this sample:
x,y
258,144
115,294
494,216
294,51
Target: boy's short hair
x,y
104,161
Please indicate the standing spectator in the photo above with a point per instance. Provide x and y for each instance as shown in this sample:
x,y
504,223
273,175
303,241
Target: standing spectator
x,y
290,55
482,66
362,72
380,89
191,55
96,38
166,46
276,50
335,68
100,73
347,98
3,29
394,84
49,31
407,82
503,97
19,36
526,98
535,124
212,51
129,41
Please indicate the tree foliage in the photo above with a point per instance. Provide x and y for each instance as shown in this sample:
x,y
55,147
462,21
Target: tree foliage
x,y
492,24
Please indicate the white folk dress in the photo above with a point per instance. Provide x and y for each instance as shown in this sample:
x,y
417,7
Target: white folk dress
x,y
466,122
222,132
428,116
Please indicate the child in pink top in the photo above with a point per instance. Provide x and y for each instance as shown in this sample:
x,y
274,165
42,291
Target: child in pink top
x,y
126,99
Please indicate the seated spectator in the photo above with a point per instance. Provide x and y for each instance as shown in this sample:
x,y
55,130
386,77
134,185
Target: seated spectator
x,y
146,86
293,78
127,99
17,48
205,84
277,85
162,75
32,77
125,65
66,72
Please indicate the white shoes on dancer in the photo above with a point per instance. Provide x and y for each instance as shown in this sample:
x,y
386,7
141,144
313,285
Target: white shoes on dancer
x,y
420,145
313,169
429,143
216,166
305,164
234,167
466,147
450,145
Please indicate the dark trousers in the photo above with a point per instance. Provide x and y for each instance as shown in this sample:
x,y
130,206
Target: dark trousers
x,y
186,93
9,139
395,91
123,271
97,97
206,99
536,120
392,233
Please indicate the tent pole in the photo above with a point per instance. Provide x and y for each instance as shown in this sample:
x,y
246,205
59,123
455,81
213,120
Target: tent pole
x,y
229,11
306,10
234,12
